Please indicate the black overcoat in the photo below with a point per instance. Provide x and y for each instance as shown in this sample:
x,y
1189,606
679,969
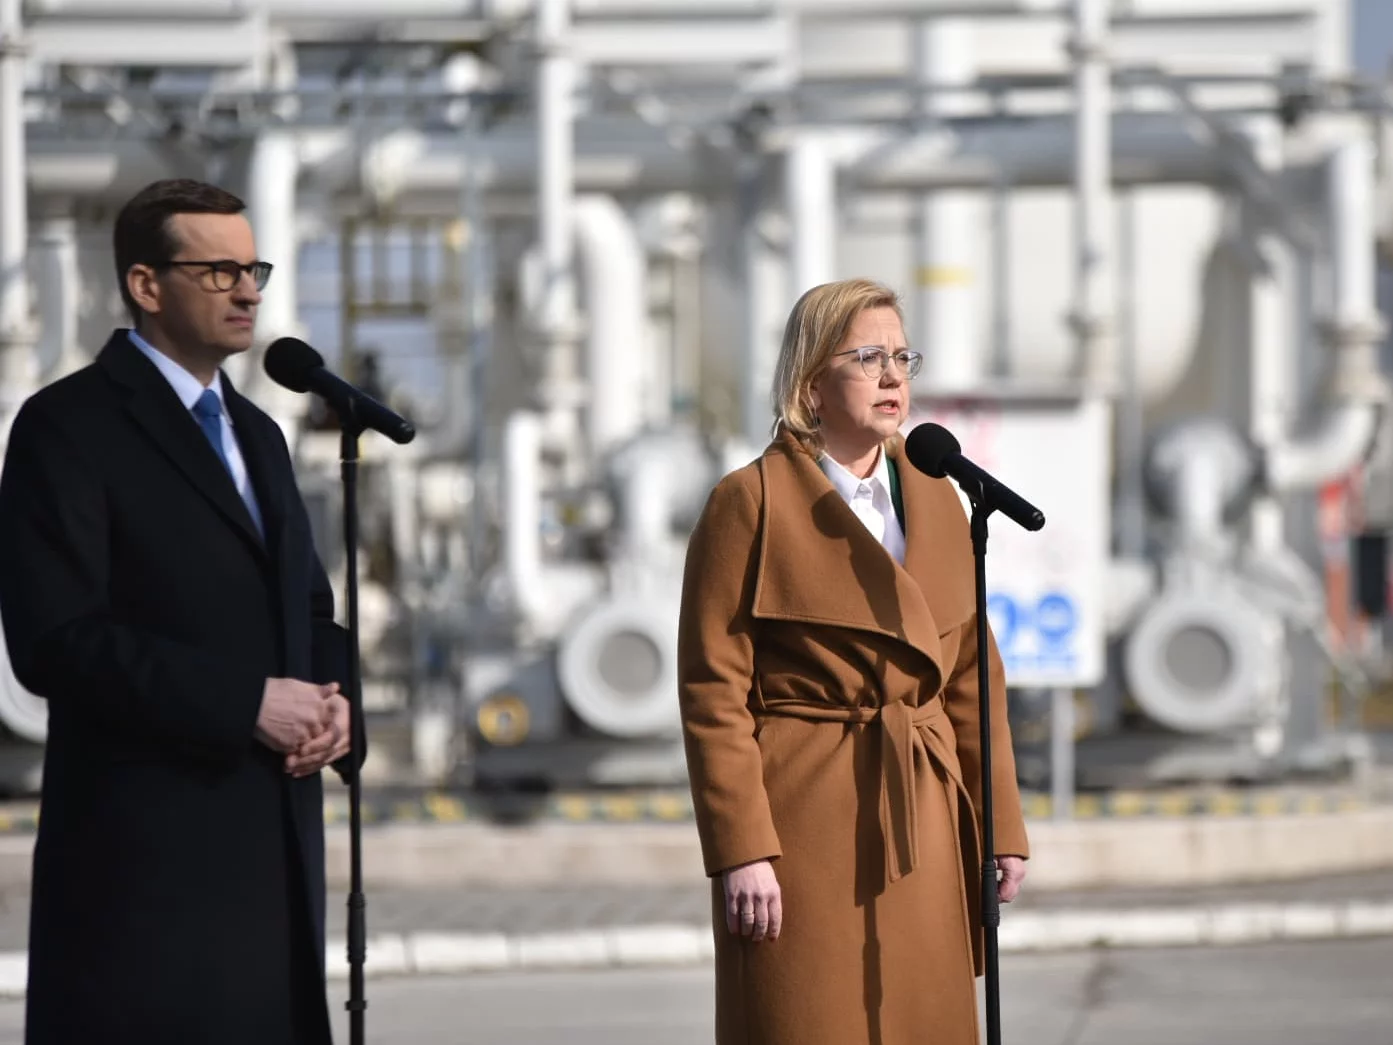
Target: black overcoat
x,y
178,883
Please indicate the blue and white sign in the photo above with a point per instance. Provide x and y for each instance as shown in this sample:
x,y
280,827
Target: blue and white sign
x,y
1045,590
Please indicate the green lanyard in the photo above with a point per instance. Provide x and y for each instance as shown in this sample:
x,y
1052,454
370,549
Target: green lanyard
x,y
896,498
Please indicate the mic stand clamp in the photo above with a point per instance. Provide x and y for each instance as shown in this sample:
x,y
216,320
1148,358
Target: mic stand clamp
x,y
357,903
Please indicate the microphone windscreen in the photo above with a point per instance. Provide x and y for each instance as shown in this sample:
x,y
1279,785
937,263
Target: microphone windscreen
x,y
928,448
289,362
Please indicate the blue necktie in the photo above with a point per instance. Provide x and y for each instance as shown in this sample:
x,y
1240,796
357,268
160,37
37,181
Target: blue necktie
x,y
208,410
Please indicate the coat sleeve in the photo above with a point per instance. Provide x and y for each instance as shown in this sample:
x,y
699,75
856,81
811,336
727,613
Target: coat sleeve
x,y
63,641
329,660
715,657
963,707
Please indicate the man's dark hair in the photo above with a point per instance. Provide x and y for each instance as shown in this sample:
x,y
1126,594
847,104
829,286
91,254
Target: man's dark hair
x,y
142,235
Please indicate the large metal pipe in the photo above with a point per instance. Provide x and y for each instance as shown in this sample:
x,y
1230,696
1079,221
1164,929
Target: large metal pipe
x,y
1271,338
948,244
1358,390
1091,317
978,153
271,204
345,10
59,286
618,349
562,390
18,334
372,10
106,172
406,166
522,511
1200,469
810,181
409,167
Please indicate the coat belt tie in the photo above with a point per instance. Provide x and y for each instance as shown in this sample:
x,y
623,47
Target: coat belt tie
x,y
909,738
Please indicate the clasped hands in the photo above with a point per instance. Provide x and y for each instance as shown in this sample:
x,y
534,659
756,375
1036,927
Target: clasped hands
x,y
306,722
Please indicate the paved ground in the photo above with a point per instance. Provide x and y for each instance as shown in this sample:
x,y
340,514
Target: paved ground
x,y
477,910
1326,993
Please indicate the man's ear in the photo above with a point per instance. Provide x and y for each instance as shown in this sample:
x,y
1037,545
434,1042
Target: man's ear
x,y
144,287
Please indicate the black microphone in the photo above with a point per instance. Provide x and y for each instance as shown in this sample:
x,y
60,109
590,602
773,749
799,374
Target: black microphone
x,y
933,449
292,364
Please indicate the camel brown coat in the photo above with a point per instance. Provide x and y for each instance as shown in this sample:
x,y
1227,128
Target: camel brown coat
x,y
830,712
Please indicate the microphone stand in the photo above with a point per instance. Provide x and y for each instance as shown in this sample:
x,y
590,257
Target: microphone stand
x,y
982,508
357,903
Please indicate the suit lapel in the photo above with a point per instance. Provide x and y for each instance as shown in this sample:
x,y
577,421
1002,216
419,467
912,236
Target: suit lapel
x,y
819,564
156,409
258,453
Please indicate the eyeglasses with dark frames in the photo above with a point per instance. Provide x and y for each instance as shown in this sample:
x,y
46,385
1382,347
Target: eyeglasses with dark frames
x,y
225,274
874,361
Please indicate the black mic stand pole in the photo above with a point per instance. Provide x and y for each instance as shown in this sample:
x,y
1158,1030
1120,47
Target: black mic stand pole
x,y
991,908
357,903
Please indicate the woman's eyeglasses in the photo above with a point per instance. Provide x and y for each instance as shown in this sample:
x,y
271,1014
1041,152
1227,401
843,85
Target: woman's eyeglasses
x,y
874,361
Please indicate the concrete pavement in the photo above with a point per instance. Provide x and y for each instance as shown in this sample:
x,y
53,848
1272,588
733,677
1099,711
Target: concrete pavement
x,y
471,929
449,894
1333,993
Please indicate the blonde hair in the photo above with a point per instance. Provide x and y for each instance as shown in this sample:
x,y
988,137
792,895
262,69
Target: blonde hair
x,y
816,327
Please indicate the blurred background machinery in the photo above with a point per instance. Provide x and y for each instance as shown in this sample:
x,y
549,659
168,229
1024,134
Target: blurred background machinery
x,y
1139,242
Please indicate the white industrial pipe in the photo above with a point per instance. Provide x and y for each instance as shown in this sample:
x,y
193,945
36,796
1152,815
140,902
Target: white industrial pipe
x,y
59,285
562,391
763,274
1200,469
271,208
1147,149
107,171
1347,431
947,242
506,10
1270,363
1350,177
522,511
1344,437
408,164
1093,192
17,329
645,502
810,186
618,365
371,10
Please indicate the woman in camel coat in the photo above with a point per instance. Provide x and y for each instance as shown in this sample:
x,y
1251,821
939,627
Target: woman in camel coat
x,y
828,686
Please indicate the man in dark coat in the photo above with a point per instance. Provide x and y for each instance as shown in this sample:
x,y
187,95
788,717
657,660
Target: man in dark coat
x,y
160,588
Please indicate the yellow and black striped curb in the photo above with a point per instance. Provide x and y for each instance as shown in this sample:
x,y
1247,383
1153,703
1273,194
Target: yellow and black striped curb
x,y
676,807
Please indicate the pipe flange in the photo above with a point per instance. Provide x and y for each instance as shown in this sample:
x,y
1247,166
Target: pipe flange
x,y
618,667
1201,662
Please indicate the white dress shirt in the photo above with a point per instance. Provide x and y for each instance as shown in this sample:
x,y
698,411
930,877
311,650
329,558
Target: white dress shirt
x,y
189,388
870,500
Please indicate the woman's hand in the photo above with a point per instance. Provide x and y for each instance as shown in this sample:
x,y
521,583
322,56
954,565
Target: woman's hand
x,y
1012,870
754,905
